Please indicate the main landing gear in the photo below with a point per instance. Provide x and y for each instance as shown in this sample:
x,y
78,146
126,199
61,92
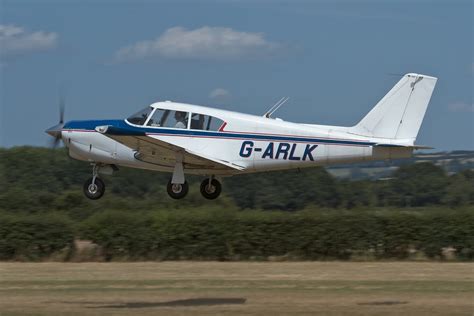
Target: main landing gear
x,y
94,187
210,189
177,190
177,187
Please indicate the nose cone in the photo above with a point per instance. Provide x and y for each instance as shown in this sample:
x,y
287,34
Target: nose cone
x,y
55,131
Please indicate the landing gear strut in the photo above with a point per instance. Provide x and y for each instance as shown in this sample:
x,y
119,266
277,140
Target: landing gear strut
x,y
94,187
211,188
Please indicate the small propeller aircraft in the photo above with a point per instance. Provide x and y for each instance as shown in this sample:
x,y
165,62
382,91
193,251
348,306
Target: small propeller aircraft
x,y
190,139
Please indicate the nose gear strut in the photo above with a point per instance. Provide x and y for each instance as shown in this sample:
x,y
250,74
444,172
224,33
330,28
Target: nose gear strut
x,y
94,188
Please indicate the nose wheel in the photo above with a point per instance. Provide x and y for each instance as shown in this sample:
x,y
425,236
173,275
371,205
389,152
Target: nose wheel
x,y
211,188
94,188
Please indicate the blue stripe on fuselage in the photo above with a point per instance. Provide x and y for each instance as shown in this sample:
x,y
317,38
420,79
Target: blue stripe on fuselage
x,y
133,130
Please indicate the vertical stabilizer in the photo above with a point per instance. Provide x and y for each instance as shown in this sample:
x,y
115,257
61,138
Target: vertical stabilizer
x,y
400,112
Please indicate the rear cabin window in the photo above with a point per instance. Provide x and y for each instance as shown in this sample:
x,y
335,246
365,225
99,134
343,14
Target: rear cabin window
x,y
206,122
169,118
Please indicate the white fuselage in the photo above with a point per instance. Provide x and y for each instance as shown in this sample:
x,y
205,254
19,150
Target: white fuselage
x,y
253,142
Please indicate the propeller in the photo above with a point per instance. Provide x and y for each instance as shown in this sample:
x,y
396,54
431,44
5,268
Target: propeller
x,y
56,130
62,105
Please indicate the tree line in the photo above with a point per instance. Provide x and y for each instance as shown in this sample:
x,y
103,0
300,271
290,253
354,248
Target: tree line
x,y
37,179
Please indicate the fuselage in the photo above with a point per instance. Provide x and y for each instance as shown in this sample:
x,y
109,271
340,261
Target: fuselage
x,y
255,143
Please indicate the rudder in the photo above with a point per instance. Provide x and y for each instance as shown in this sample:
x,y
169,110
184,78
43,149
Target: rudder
x,y
399,114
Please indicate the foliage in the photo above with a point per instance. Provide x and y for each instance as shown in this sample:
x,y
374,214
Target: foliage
x,y
211,235
304,214
33,237
39,179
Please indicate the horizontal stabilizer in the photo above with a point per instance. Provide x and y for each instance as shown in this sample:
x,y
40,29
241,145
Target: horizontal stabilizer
x,y
415,147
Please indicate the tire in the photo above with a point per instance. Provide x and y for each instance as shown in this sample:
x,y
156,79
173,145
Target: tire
x,y
177,191
214,191
94,193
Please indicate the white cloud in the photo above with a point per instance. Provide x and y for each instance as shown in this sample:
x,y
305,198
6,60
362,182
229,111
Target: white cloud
x,y
202,43
15,40
220,94
461,107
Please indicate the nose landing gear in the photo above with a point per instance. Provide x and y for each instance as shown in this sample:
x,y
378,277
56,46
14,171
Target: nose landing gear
x,y
94,188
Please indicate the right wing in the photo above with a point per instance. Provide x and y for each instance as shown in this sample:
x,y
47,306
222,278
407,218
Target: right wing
x,y
159,152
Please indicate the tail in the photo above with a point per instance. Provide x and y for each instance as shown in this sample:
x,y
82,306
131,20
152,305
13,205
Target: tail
x,y
399,114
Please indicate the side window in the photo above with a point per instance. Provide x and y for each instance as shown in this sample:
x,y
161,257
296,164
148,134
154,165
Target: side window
x,y
214,124
197,121
158,118
205,122
177,119
169,118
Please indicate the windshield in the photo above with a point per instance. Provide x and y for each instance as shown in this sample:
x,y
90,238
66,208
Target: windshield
x,y
140,117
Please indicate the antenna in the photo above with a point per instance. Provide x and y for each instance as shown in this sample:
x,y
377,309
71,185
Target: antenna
x,y
267,114
275,107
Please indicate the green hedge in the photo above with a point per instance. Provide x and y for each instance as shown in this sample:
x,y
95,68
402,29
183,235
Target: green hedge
x,y
300,236
33,237
247,235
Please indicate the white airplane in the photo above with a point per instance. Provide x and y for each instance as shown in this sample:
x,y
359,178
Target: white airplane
x,y
190,139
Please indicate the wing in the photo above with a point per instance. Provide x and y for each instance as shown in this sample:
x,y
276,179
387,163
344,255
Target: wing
x,y
158,152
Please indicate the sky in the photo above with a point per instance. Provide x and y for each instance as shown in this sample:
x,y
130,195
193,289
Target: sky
x,y
333,59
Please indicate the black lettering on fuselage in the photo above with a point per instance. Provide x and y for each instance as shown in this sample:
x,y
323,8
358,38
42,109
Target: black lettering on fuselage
x,y
308,152
292,153
246,149
282,149
268,152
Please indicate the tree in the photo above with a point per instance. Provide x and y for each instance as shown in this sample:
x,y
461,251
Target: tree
x,y
418,185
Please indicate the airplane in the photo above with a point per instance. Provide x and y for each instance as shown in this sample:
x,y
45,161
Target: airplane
x,y
189,139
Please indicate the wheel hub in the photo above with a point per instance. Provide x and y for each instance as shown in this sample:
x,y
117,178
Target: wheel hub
x,y
210,189
176,188
92,188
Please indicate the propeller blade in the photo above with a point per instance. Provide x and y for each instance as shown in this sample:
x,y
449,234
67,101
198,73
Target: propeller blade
x,y
62,106
56,130
54,142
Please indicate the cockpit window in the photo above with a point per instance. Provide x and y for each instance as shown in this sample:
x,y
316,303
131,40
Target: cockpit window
x,y
169,118
205,122
140,117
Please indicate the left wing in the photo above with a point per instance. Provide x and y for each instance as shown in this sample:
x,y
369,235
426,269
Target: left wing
x,y
159,152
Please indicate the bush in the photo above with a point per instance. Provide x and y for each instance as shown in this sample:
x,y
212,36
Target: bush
x,y
122,235
259,235
33,237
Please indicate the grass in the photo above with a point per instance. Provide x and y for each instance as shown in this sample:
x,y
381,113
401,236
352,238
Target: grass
x,y
237,288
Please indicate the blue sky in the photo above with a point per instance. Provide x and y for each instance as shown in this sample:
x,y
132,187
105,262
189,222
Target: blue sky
x,y
334,60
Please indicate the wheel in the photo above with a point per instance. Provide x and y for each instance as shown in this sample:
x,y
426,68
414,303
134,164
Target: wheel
x,y
177,191
212,191
94,191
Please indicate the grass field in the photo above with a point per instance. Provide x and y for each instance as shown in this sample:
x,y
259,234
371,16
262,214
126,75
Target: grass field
x,y
237,288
